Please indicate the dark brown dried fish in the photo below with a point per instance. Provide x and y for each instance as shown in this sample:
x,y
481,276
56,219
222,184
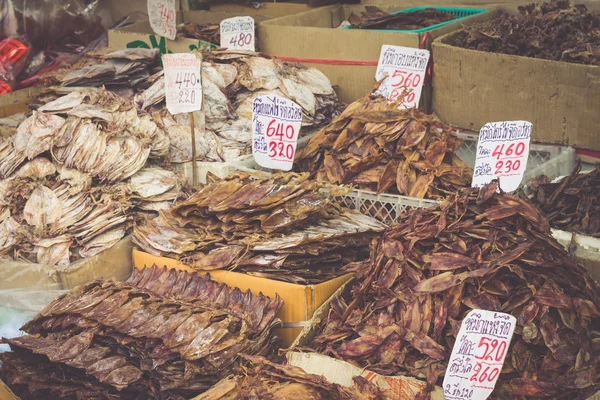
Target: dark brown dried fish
x,y
573,203
377,147
163,335
403,312
375,18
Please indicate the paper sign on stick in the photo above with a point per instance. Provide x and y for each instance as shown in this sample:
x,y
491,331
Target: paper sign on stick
x,y
183,82
238,33
275,127
502,152
404,71
162,15
478,355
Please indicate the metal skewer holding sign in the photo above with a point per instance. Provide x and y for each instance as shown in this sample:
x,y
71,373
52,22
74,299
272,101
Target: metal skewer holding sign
x,y
183,91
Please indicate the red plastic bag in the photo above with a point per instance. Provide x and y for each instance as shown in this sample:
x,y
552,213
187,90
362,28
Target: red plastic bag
x,y
14,56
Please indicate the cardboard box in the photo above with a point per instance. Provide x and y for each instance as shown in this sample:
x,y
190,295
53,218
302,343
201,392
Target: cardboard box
x,y
141,35
342,372
471,88
348,57
114,262
299,301
273,10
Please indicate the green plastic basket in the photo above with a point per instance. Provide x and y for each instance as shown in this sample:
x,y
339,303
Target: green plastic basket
x,y
458,13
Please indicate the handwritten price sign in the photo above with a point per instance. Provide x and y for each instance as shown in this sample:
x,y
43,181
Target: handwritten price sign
x,y
275,127
162,17
183,82
478,355
238,33
502,152
404,71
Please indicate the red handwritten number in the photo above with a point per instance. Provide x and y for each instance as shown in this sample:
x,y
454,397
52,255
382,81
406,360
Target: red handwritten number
x,y
517,150
270,129
484,374
509,166
272,149
498,151
476,369
501,350
281,150
289,132
520,148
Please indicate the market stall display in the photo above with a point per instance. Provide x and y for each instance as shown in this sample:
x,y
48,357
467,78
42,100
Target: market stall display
x,y
477,250
110,339
375,146
572,203
281,226
210,33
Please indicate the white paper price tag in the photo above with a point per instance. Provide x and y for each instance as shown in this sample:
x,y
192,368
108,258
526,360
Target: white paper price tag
x,y
404,71
162,15
183,82
502,152
238,33
478,355
275,127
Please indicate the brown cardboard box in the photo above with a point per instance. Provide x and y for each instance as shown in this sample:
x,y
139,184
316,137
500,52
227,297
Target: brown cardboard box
x,y
341,372
141,35
299,301
314,35
114,262
471,88
273,10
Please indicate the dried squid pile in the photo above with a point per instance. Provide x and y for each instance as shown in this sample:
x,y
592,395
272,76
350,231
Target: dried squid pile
x,y
263,379
477,250
161,335
377,147
573,204
231,80
73,173
281,226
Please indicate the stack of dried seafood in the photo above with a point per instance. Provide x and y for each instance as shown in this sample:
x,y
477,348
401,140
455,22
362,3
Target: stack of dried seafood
x,y
375,146
263,379
375,18
281,226
162,335
210,33
573,203
231,80
72,173
477,250
555,31
122,68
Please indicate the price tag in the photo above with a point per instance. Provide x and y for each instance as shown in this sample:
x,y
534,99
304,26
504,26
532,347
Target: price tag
x,y
162,15
275,127
502,152
478,355
183,82
404,71
238,33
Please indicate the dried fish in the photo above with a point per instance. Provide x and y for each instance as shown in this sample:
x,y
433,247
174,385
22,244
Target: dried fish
x,y
573,203
375,18
164,334
378,147
282,226
403,312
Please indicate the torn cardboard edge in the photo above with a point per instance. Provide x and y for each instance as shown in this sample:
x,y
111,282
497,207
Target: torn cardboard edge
x,y
299,301
342,372
114,262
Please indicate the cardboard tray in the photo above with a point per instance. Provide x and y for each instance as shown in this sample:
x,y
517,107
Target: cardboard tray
x,y
560,99
341,372
299,301
348,57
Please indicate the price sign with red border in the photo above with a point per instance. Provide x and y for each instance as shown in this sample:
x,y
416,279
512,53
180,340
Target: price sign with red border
x,y
238,33
478,355
183,82
404,71
502,153
162,15
275,127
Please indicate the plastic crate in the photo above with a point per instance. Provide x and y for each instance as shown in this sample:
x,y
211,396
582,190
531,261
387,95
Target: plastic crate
x,y
550,160
458,13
